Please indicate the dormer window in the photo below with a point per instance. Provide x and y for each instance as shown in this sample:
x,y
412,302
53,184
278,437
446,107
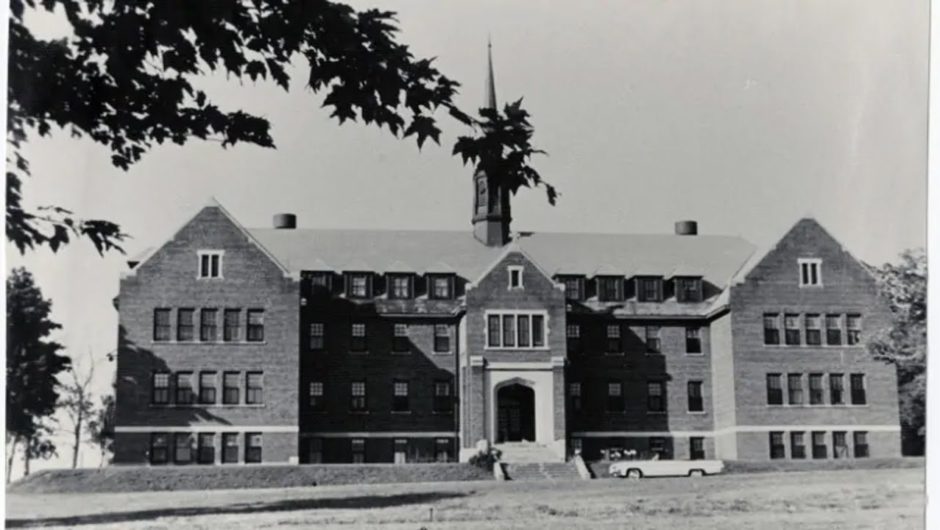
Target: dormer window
x,y
440,286
400,287
610,288
210,263
574,287
649,289
688,289
358,285
321,281
515,277
810,272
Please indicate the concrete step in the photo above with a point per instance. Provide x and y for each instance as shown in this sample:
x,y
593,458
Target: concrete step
x,y
553,471
525,453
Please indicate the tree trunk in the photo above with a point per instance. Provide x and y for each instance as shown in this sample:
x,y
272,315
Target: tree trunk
x,y
12,450
27,457
78,440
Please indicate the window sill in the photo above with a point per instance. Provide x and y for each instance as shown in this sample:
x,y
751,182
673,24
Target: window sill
x,y
359,412
401,412
813,346
208,405
208,342
448,352
614,354
822,406
697,412
694,354
400,353
351,352
442,412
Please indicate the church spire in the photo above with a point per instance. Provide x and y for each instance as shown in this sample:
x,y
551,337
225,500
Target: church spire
x,y
489,100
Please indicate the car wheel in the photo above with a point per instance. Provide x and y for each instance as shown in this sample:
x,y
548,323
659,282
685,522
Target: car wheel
x,y
696,473
634,474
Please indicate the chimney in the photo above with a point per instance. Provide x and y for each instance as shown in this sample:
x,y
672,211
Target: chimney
x,y
285,221
686,228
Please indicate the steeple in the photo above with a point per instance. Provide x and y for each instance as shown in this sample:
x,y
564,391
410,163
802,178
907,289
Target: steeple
x,y
491,211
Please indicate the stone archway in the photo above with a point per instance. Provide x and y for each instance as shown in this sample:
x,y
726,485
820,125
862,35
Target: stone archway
x,y
515,413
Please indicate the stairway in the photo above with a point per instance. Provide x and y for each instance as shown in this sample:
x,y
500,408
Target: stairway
x,y
526,453
553,471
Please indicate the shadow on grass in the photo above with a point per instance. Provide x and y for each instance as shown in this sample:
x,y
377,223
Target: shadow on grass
x,y
364,502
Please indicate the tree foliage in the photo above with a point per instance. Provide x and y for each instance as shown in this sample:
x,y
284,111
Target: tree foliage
x,y
124,78
101,426
33,363
904,344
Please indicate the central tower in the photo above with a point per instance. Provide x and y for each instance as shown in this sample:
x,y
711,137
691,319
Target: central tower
x,y
491,210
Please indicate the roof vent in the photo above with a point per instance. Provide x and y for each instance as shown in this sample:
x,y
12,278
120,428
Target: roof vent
x,y
686,228
285,221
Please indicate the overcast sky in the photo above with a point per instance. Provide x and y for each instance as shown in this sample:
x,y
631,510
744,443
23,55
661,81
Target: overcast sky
x,y
742,114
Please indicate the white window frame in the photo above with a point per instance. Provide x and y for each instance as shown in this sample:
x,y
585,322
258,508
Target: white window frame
x,y
516,269
516,312
207,252
810,263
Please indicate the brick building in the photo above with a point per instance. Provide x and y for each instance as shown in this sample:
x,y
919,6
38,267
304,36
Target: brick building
x,y
290,345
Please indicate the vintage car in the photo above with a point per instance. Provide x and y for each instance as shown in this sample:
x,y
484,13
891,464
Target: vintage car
x,y
665,468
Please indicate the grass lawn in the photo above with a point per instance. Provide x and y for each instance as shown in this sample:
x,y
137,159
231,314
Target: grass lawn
x,y
880,498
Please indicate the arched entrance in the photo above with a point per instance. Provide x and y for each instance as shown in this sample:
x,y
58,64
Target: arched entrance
x,y
515,413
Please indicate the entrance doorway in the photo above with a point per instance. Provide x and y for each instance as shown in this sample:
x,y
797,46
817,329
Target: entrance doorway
x,y
515,416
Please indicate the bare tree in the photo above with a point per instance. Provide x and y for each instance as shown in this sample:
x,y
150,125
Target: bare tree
x,y
78,405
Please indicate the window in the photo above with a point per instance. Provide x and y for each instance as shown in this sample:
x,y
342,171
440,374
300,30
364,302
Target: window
x,y
160,448
229,448
207,388
771,329
657,446
515,277
693,340
441,287
860,439
317,403
857,382
357,286
252,447
207,325
650,289
696,448
315,451
795,389
182,448
610,289
357,341
205,453
255,325
853,333
614,396
813,330
777,449
834,330
358,447
797,446
400,288
210,263
815,389
230,389
574,392
810,273
791,323
443,403
441,338
400,456
688,289
400,342
442,450
836,389
161,324
774,390
516,330
655,396
161,388
184,325
317,342
573,333
614,344
840,448
696,401
652,340
231,325
254,388
574,287
184,388
819,444
357,391
400,401
321,282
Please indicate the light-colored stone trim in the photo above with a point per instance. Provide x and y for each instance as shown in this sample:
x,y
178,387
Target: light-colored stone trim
x,y
146,429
